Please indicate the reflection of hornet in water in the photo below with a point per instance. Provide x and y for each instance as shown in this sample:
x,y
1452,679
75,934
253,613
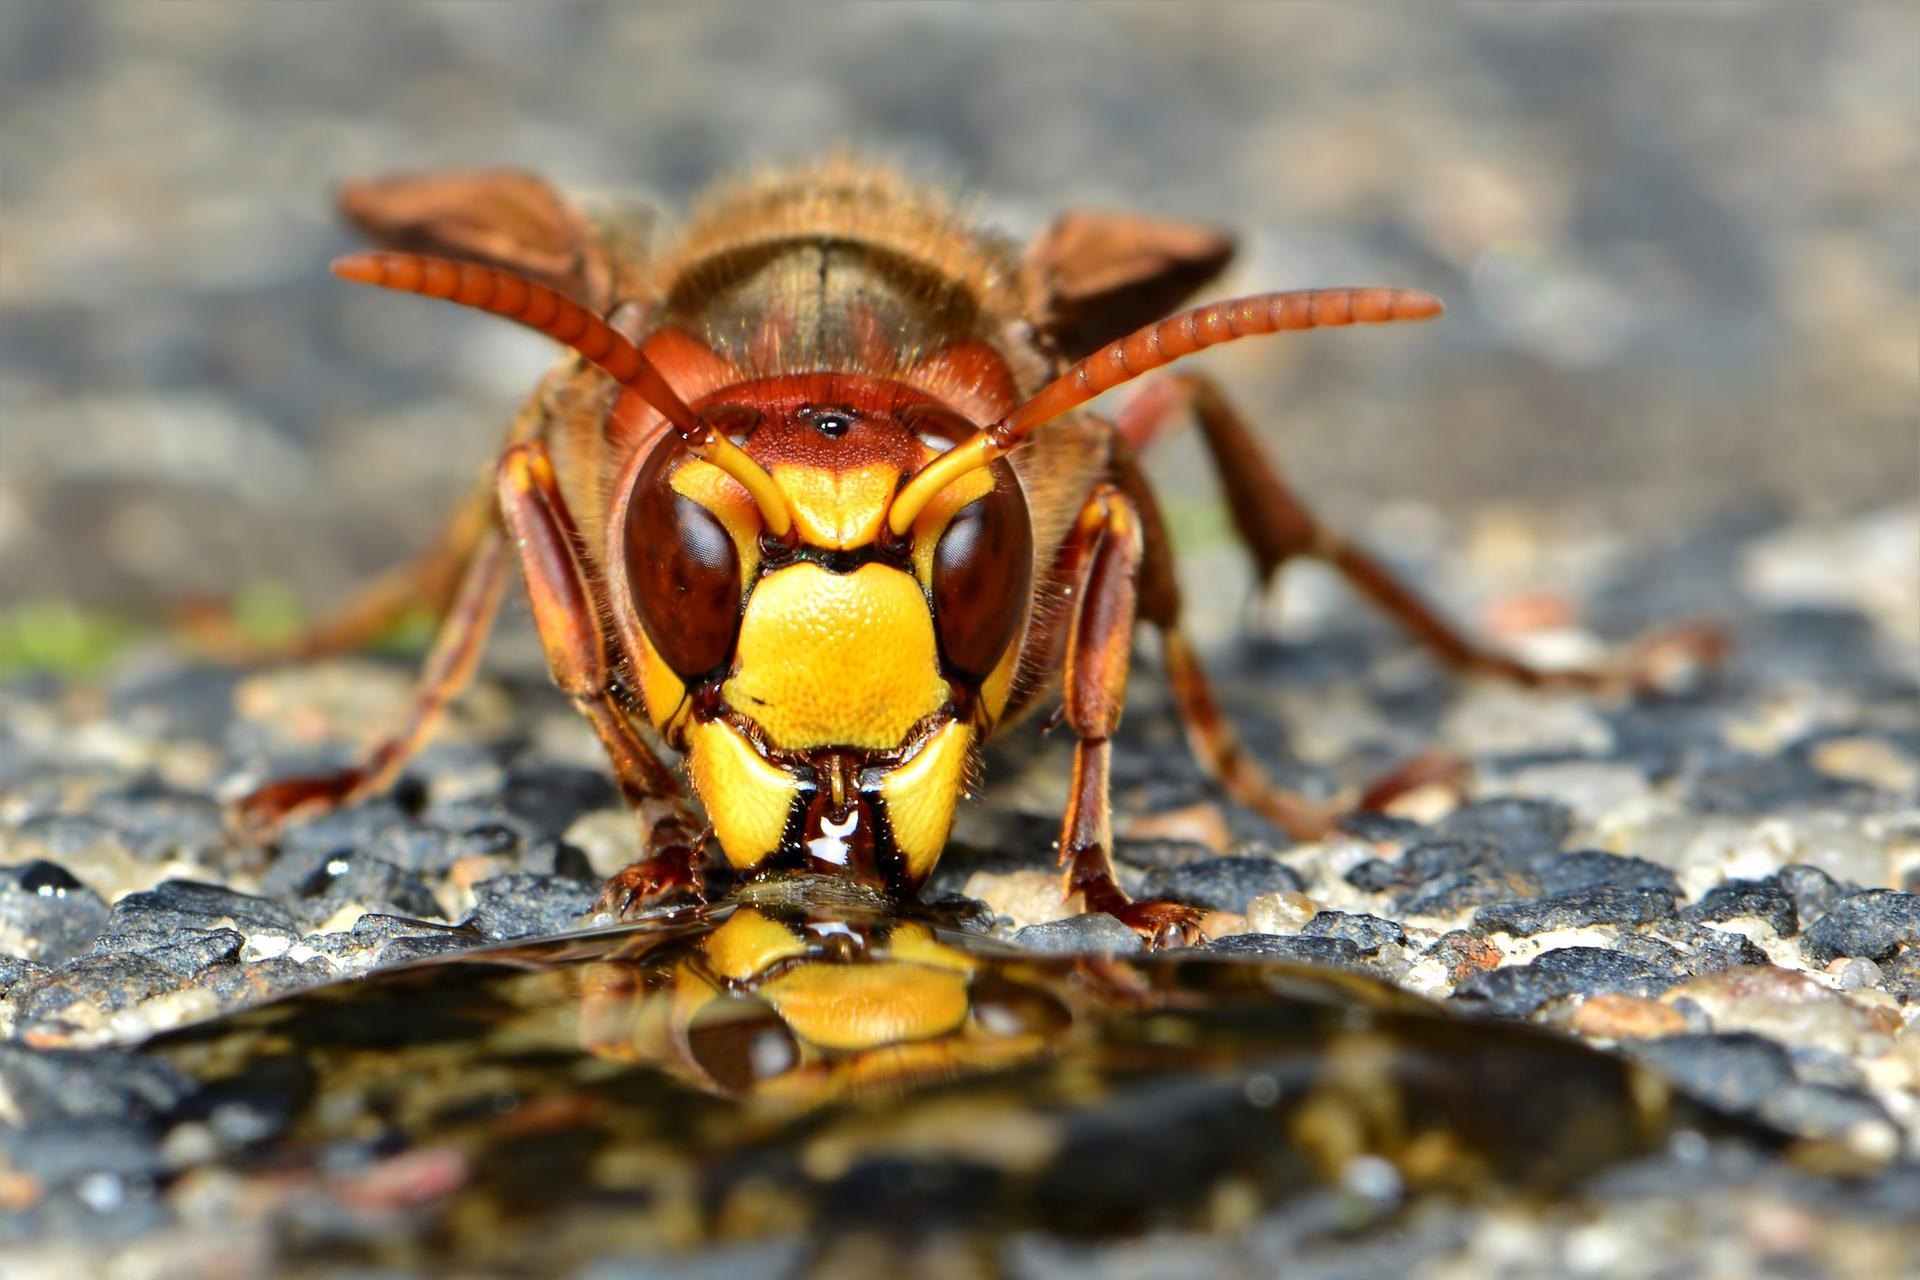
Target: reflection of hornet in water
x,y
803,1064
810,1006
817,501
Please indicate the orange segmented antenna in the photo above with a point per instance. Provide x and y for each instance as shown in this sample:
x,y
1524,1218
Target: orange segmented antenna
x,y
1154,347
567,322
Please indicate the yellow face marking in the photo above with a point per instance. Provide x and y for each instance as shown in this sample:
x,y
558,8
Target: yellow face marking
x,y
915,943
747,799
998,685
836,659
838,509
661,688
921,796
749,943
838,1006
731,505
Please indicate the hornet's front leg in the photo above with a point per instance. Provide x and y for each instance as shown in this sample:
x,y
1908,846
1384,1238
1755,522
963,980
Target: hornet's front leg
x,y
1109,547
567,616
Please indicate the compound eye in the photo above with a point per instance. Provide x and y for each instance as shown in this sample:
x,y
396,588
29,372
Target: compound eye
x,y
684,568
936,426
741,1041
982,576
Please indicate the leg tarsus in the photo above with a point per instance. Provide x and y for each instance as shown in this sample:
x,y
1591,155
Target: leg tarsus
x,y
670,868
449,668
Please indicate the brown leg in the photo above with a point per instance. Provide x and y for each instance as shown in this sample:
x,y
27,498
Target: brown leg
x,y
1275,527
1208,730
450,665
1099,647
567,615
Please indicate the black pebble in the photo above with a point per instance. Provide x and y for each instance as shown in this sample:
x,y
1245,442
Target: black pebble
x,y
529,904
1267,946
1519,990
46,914
1603,904
1590,868
1874,924
1740,898
1367,933
1735,1071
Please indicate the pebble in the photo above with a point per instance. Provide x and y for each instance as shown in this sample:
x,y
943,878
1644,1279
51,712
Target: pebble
x,y
1221,884
1870,761
1298,948
316,886
241,984
377,939
1463,954
1519,990
1367,933
529,904
1612,1016
1712,949
1591,868
80,995
1736,1071
162,913
1280,912
1455,892
1760,900
46,915
158,823
1095,933
1791,1008
1813,891
1422,863
1023,897
1874,924
1855,974
1604,904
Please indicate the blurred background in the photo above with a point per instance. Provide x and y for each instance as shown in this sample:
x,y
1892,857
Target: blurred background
x,y
1677,241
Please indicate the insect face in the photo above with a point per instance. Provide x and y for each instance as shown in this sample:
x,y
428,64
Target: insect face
x,y
830,682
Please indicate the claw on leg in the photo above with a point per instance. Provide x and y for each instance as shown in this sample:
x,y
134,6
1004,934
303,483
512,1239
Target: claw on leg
x,y
669,869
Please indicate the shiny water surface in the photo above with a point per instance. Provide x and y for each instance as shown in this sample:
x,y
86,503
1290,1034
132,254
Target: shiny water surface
x,y
803,1069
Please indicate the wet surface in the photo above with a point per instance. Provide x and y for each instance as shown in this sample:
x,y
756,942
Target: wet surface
x,y
803,1069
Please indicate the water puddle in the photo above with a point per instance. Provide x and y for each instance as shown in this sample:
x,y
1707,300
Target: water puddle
x,y
800,1071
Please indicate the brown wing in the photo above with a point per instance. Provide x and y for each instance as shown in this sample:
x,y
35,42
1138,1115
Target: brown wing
x,y
1103,275
502,217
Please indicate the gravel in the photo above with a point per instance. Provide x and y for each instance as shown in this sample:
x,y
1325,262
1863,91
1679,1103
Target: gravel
x,y
1722,884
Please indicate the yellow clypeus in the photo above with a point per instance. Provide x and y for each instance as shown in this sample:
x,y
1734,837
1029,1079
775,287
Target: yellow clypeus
x,y
836,659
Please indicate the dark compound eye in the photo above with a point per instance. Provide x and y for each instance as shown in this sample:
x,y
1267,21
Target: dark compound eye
x,y
684,569
1005,1008
982,576
937,427
741,1041
734,421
